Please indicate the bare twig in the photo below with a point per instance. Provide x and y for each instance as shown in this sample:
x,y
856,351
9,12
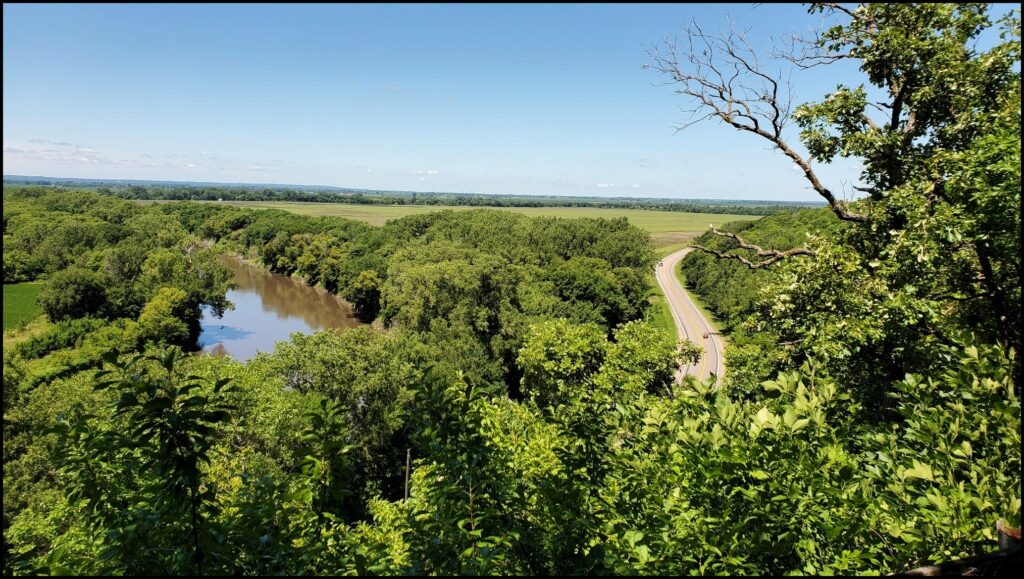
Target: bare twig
x,y
837,7
807,53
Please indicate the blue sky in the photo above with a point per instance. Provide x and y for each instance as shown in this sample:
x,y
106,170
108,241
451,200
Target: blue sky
x,y
505,99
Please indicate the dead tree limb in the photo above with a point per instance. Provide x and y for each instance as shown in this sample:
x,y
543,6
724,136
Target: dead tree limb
x,y
726,80
773,255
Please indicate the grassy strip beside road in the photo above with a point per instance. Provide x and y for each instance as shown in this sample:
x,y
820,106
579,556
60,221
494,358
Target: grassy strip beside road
x,y
701,306
659,314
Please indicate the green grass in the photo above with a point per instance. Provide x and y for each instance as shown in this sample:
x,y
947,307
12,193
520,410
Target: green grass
x,y
658,315
702,307
666,227
20,303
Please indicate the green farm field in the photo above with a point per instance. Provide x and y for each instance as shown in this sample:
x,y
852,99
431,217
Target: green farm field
x,y
666,227
20,303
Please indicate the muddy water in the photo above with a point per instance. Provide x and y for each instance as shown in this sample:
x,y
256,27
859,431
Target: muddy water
x,y
268,308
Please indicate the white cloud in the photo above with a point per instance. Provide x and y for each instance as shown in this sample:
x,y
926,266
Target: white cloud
x,y
191,166
60,152
606,185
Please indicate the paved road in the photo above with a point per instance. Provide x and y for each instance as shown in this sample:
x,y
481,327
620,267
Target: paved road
x,y
690,323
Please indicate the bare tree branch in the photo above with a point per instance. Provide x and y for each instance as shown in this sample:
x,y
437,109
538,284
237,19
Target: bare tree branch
x,y
805,53
772,254
837,7
725,79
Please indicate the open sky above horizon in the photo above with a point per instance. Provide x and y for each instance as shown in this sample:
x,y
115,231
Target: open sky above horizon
x,y
503,99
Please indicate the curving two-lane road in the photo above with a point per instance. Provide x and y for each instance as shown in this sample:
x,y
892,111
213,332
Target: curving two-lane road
x,y
690,323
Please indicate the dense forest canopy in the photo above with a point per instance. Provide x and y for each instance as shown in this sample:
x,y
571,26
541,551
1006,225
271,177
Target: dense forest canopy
x,y
869,420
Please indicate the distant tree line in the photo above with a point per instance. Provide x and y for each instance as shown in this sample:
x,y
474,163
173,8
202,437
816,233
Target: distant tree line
x,y
228,193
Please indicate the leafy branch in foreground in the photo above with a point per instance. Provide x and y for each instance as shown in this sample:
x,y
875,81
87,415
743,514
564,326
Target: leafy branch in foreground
x,y
169,431
935,122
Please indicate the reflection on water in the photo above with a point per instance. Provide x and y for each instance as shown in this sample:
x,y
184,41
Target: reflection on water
x,y
268,308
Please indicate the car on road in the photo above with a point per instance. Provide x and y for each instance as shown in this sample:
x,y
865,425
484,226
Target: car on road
x,y
705,335
661,263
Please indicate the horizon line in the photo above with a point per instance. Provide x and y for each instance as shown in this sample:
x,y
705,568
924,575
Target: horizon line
x,y
226,184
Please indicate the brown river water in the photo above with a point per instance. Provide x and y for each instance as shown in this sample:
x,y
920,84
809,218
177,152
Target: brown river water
x,y
269,307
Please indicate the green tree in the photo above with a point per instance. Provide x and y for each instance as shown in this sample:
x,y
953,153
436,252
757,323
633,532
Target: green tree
x,y
364,293
20,266
369,374
163,317
192,270
592,292
171,422
934,246
73,293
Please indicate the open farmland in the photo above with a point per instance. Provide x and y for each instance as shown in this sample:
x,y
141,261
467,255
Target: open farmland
x,y
20,303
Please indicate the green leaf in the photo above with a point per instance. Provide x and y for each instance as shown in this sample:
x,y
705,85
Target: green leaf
x,y
920,470
633,537
937,500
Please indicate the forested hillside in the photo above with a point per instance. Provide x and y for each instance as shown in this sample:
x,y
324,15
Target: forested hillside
x,y
730,288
